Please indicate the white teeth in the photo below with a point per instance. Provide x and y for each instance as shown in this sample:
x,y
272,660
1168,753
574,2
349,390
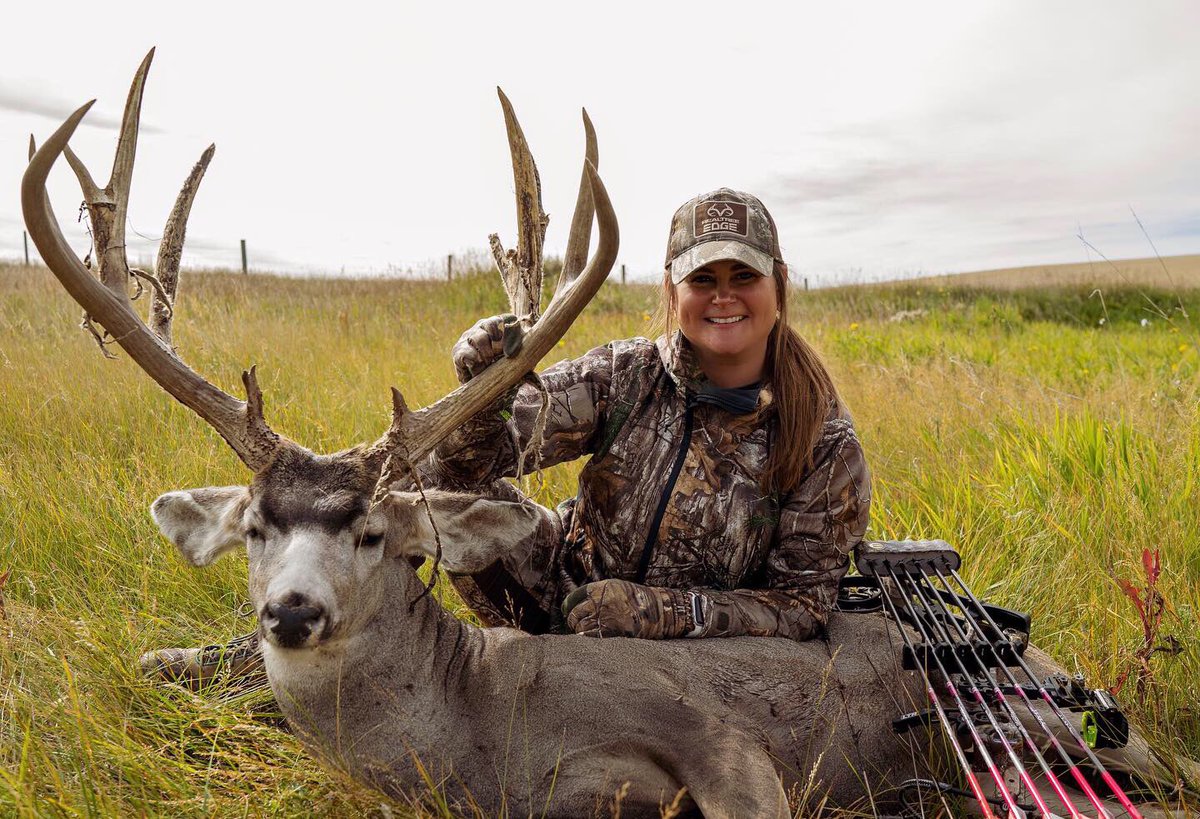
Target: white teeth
x,y
729,320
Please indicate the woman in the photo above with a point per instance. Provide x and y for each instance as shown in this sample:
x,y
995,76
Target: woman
x,y
726,486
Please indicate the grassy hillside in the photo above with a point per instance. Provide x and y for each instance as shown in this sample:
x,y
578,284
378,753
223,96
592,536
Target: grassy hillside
x,y
1051,435
1170,273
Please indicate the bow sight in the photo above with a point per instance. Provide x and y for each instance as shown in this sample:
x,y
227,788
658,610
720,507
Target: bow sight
x,y
969,654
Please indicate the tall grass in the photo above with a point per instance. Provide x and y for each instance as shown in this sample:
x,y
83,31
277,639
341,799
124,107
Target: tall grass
x,y
1050,447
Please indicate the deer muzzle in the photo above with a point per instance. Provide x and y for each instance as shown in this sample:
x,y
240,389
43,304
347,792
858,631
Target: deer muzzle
x,y
294,622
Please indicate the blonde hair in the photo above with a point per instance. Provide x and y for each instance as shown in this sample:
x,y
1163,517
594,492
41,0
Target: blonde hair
x,y
801,387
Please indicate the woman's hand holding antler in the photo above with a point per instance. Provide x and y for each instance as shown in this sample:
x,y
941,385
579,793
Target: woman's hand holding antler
x,y
486,342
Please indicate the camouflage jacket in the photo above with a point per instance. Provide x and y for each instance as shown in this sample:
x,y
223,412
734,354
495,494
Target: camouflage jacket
x,y
671,495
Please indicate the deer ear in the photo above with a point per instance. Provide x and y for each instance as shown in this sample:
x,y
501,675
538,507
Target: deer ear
x,y
203,523
475,532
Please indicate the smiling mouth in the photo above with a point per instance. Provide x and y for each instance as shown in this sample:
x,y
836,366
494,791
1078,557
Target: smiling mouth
x,y
725,320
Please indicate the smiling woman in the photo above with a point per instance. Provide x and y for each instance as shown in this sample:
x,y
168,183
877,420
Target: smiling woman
x,y
726,485
733,233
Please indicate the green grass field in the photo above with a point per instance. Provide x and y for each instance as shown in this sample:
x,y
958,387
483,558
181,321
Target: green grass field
x,y
1051,434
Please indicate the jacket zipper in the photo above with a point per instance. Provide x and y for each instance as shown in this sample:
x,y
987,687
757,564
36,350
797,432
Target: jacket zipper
x,y
652,537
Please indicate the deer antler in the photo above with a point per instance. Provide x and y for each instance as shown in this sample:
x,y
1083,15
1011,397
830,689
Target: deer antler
x,y
521,270
105,297
575,256
170,249
106,300
417,433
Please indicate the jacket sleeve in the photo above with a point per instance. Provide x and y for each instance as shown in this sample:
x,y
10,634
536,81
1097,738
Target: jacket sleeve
x,y
820,524
574,394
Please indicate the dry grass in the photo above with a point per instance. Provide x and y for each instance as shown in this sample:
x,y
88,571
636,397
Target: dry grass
x,y
1170,273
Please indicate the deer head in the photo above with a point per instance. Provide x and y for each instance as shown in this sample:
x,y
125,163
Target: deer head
x,y
325,548
317,527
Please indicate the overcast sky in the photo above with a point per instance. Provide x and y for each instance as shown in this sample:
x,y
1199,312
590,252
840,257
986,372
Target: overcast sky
x,y
888,138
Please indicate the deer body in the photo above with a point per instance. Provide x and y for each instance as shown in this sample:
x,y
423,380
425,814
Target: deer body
x,y
559,722
529,722
383,682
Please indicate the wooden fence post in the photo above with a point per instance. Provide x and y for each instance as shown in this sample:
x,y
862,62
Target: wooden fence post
x,y
245,269
25,238
449,266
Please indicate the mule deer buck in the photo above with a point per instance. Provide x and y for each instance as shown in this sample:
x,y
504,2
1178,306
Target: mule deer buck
x,y
377,677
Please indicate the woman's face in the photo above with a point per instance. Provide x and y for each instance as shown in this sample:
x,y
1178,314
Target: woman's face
x,y
727,310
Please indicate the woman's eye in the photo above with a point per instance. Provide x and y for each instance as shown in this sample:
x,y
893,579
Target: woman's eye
x,y
701,279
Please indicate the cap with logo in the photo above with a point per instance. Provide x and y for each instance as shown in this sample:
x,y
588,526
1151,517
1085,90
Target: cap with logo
x,y
723,224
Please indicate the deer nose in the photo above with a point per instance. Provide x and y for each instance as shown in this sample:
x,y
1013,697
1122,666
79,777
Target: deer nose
x,y
292,619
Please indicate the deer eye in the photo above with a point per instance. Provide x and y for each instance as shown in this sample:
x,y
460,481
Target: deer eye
x,y
371,540
253,533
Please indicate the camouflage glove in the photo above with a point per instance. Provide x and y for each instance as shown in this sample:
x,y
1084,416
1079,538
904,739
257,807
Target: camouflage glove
x,y
487,341
618,608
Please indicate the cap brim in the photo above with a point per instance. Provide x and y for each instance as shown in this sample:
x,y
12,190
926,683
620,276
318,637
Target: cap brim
x,y
708,252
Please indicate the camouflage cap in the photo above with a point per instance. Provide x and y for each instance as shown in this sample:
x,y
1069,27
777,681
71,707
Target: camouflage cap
x,y
723,224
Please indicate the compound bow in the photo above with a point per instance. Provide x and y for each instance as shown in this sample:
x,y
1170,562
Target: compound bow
x,y
969,654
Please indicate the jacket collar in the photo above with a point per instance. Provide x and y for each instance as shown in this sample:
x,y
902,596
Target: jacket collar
x,y
683,367
680,362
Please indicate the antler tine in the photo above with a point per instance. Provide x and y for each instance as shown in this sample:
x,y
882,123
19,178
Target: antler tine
x,y
415,434
91,191
522,274
108,207
122,170
567,306
575,256
170,250
240,423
